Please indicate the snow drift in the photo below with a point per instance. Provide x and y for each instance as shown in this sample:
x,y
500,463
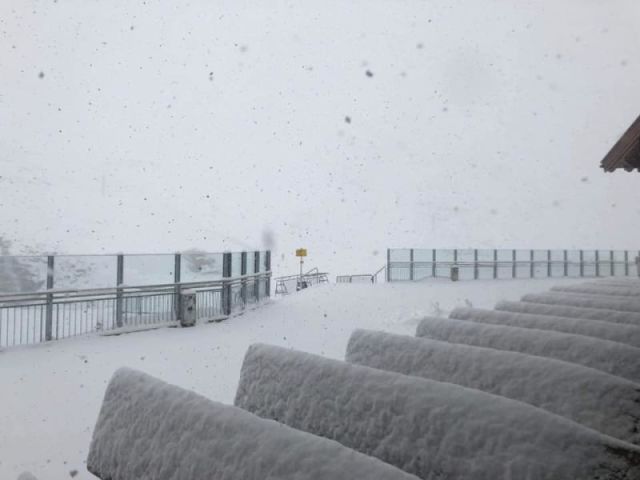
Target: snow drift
x,y
584,300
611,290
611,357
433,429
627,334
611,316
593,398
149,429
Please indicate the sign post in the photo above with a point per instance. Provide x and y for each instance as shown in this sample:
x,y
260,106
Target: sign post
x,y
301,253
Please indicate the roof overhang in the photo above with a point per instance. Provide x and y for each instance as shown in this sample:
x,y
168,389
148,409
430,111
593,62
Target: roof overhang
x,y
625,153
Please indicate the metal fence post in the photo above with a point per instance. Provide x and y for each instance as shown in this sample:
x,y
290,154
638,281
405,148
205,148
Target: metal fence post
x,y
495,264
565,258
49,313
549,272
243,273
268,268
226,284
411,271
119,282
611,258
433,263
177,302
581,263
388,265
514,264
597,263
532,267
626,263
475,264
256,279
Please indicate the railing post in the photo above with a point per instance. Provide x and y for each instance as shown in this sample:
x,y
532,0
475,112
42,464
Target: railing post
x,y
597,263
495,264
411,270
256,279
268,268
626,263
226,284
565,258
433,263
476,273
549,272
532,267
243,272
119,282
177,268
49,310
581,263
611,258
514,264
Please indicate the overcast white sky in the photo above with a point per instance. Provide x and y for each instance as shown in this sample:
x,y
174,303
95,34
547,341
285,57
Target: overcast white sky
x,y
161,126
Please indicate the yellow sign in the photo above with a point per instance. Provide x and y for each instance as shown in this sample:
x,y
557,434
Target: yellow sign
x,y
301,252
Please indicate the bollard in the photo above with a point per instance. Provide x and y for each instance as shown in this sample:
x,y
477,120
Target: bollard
x,y
188,304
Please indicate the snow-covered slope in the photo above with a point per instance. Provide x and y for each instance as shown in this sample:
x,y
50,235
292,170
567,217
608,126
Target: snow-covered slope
x,y
627,334
607,302
432,429
603,315
611,357
148,429
593,398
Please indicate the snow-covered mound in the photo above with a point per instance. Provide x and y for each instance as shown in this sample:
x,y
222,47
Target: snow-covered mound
x,y
148,429
622,304
611,316
593,398
433,429
628,334
613,290
611,357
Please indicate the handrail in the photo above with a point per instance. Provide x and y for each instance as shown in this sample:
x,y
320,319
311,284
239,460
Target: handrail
x,y
72,293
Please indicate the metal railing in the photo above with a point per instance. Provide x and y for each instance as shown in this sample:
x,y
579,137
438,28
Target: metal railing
x,y
289,283
363,277
474,264
34,317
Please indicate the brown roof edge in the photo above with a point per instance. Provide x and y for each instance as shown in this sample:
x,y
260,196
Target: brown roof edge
x,y
626,152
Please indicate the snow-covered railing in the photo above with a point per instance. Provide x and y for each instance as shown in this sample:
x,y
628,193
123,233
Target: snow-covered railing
x,y
408,264
431,429
27,318
149,429
593,398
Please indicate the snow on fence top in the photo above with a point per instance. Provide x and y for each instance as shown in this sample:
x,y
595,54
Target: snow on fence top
x,y
584,300
611,316
611,357
433,429
149,429
612,290
627,334
593,398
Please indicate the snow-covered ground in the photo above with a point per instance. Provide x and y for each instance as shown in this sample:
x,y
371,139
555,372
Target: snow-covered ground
x,y
51,393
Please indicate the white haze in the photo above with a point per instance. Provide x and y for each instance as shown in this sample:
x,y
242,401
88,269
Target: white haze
x,y
161,126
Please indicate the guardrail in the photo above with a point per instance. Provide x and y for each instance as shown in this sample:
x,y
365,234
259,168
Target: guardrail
x,y
288,283
363,277
474,264
51,314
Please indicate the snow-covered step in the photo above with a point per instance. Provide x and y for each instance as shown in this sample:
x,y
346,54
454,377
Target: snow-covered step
x,y
611,316
148,429
604,402
611,357
628,334
616,291
622,304
435,430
